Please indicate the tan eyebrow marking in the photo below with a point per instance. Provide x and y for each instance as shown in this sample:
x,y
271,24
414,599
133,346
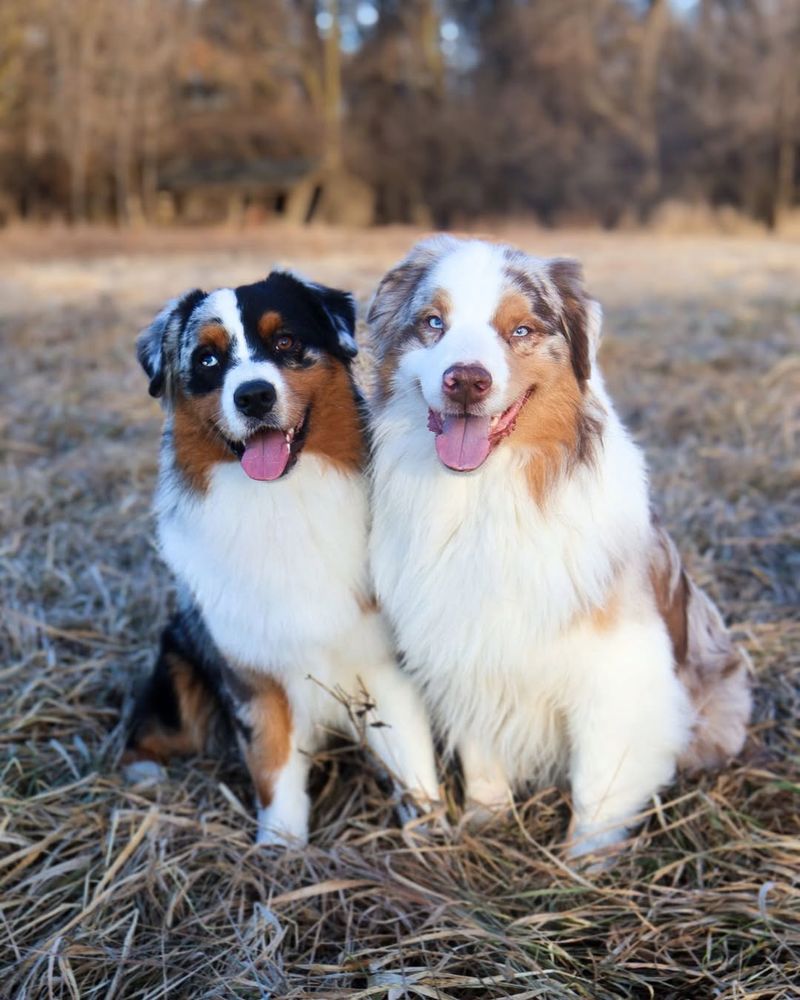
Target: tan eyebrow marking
x,y
214,335
269,324
442,303
512,310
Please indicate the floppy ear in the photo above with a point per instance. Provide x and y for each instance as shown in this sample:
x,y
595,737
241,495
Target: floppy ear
x,y
152,342
150,348
577,316
340,308
395,292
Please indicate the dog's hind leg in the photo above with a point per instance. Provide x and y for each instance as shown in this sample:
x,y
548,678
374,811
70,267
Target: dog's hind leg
x,y
179,704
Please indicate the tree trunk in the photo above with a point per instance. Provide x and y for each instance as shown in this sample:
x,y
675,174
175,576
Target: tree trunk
x,y
79,141
149,175
431,46
332,90
787,143
655,28
122,167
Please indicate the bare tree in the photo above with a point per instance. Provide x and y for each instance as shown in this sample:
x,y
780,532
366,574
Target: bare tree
x,y
591,108
76,28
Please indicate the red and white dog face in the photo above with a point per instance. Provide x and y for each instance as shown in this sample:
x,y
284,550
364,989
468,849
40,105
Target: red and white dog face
x,y
498,344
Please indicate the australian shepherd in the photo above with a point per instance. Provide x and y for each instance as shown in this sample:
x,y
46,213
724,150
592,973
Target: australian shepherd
x,y
262,516
545,615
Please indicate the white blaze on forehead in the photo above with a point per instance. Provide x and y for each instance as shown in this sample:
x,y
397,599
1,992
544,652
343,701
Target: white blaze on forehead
x,y
222,305
473,278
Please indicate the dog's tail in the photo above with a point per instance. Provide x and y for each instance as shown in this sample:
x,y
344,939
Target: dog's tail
x,y
713,668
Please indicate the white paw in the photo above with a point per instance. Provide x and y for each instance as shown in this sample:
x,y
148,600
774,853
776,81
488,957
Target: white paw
x,y
417,807
480,815
596,849
144,773
276,832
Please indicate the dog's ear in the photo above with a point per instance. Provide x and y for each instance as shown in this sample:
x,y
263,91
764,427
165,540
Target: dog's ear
x,y
579,315
150,348
152,344
340,308
391,306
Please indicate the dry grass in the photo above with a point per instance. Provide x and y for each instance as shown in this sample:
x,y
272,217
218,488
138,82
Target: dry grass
x,y
110,892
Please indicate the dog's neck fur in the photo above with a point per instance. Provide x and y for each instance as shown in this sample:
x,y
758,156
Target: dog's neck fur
x,y
500,579
273,566
567,544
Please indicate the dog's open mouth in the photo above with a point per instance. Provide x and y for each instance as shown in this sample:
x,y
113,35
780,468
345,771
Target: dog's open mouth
x,y
270,453
464,441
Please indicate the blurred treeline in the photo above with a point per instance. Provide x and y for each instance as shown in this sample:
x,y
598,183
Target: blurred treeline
x,y
426,111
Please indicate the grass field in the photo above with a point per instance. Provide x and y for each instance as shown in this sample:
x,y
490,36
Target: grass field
x,y
111,892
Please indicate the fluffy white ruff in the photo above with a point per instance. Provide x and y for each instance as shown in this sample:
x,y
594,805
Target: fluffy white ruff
x,y
490,593
279,572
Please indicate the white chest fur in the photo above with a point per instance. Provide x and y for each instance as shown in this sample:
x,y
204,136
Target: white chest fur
x,y
276,568
481,583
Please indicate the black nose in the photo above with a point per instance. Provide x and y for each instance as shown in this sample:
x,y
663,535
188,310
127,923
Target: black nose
x,y
466,384
254,399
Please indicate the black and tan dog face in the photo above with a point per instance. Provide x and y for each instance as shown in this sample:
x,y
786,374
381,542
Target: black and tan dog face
x,y
256,374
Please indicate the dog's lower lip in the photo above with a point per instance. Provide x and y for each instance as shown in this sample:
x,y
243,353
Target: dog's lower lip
x,y
505,422
292,434
501,424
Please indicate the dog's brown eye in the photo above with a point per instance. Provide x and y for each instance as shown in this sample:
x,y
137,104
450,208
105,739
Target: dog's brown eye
x,y
284,342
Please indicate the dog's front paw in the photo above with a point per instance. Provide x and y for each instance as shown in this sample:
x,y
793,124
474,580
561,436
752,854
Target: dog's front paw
x,y
422,816
282,832
478,816
594,851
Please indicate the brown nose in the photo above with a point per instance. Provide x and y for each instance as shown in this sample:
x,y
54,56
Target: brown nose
x,y
466,384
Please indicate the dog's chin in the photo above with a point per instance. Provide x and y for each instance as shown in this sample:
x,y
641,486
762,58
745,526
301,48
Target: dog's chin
x,y
270,452
465,440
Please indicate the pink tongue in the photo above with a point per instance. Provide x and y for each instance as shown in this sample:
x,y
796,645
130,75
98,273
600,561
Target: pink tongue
x,y
464,442
266,455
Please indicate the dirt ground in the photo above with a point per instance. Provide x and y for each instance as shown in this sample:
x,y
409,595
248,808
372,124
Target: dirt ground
x,y
109,892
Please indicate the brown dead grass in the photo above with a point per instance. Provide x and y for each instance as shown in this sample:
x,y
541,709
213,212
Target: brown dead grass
x,y
107,891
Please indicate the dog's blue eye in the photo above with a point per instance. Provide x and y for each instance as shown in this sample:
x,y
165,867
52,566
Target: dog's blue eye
x,y
436,322
521,331
208,359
